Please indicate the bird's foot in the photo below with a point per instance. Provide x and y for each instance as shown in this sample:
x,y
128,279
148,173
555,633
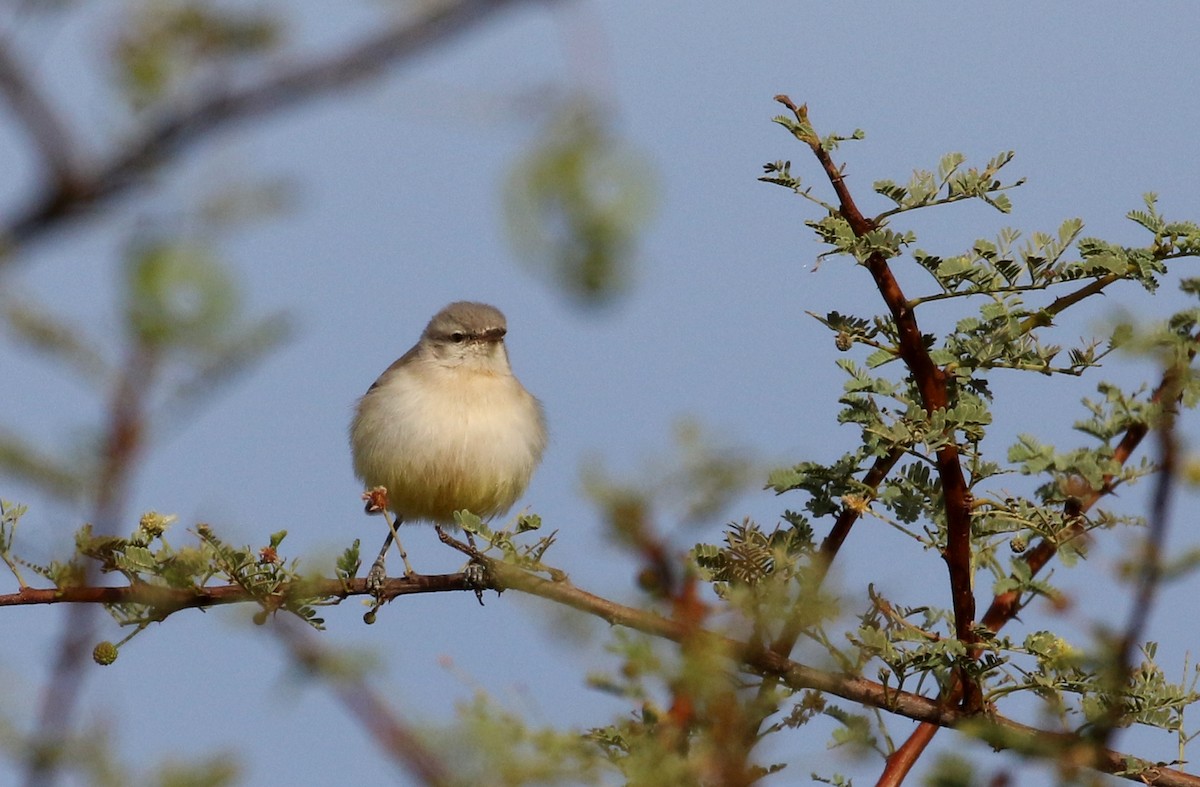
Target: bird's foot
x,y
476,576
377,577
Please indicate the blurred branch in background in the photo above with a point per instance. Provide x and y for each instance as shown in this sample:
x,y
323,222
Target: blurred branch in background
x,y
577,202
399,741
43,126
70,188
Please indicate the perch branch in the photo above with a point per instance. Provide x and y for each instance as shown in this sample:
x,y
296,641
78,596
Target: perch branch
x,y
996,730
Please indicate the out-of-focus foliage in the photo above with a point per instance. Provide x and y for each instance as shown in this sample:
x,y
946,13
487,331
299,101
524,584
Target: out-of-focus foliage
x,y
576,203
174,44
184,336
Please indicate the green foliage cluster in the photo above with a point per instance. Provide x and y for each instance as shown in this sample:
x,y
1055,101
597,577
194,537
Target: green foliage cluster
x,y
1013,290
507,542
576,203
688,725
692,703
183,336
148,561
506,750
172,45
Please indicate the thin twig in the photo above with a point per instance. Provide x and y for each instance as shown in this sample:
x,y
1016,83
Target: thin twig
x,y
42,124
1044,315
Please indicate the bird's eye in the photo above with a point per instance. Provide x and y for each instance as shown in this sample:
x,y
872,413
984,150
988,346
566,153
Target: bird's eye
x,y
458,337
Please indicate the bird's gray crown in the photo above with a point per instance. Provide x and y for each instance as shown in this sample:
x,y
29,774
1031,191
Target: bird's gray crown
x,y
466,320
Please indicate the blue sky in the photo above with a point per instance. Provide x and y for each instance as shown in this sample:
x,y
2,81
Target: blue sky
x,y
395,210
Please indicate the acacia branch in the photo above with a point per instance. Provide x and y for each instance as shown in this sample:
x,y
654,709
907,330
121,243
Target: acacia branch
x,y
997,730
167,600
902,760
121,170
931,382
1007,605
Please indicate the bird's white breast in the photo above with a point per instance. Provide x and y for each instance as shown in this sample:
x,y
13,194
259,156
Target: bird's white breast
x,y
446,438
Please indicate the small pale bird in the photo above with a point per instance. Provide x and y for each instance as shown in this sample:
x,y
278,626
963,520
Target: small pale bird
x,y
448,426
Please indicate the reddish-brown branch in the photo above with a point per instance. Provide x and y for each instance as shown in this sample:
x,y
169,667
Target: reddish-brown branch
x,y
956,496
1006,606
1149,573
902,760
931,382
932,386
849,515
